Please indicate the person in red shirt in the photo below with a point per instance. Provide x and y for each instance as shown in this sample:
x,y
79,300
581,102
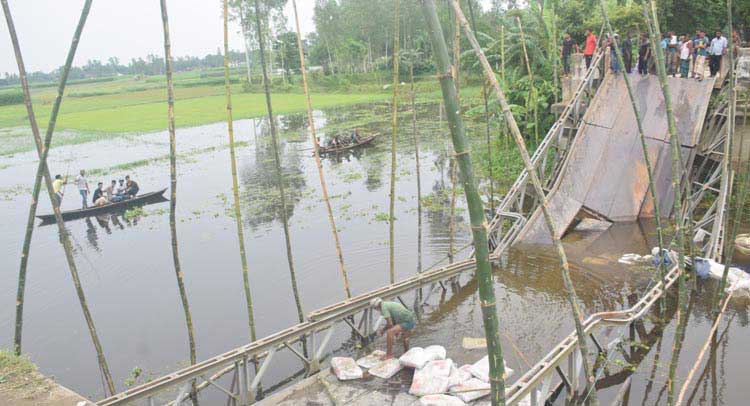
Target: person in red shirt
x,y
590,47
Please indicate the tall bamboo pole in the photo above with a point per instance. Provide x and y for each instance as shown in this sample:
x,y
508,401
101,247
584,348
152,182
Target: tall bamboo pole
x,y
476,210
173,188
506,136
644,148
316,152
676,178
415,133
394,118
235,183
553,54
277,160
453,164
42,173
532,88
534,178
742,193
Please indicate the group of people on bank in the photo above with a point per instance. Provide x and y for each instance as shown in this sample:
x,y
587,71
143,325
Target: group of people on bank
x,y
117,191
684,54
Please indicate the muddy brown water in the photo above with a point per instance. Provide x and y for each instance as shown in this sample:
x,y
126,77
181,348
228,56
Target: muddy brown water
x,y
127,274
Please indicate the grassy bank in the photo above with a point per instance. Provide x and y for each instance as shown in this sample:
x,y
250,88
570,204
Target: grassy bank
x,y
19,377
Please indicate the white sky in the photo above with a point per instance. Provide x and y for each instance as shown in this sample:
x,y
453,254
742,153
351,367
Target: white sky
x,y
122,28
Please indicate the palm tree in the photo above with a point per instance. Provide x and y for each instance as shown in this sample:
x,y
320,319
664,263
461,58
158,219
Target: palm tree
x,y
42,173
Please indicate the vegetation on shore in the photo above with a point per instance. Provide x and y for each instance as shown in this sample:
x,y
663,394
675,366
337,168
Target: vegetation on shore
x,y
19,376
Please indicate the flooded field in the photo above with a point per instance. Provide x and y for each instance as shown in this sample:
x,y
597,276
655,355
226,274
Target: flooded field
x,y
127,273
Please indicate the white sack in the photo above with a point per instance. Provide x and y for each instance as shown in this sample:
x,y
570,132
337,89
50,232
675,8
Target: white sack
x,y
387,368
345,368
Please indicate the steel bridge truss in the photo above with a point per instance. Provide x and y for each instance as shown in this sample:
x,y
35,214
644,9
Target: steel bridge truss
x,y
558,370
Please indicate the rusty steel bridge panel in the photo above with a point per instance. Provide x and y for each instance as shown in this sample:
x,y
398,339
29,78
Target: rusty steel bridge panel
x,y
605,170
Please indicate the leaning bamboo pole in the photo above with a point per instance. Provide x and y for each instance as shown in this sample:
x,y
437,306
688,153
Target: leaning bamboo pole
x,y
173,188
453,167
277,160
532,88
644,147
235,183
394,122
316,153
655,34
534,178
476,209
42,173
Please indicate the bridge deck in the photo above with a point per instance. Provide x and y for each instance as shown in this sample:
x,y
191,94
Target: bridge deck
x,y
605,170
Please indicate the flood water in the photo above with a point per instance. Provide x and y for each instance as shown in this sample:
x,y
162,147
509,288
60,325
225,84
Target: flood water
x,y
125,262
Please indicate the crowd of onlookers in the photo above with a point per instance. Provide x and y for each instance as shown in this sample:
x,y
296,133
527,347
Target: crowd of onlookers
x,y
683,54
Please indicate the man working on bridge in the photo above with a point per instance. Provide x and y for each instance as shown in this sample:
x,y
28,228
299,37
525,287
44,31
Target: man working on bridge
x,y
400,322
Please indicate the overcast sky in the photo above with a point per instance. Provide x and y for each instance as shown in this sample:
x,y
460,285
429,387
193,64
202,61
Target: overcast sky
x,y
122,28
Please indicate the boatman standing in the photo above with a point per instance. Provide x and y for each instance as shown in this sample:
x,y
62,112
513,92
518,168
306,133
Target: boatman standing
x,y
83,187
57,187
400,322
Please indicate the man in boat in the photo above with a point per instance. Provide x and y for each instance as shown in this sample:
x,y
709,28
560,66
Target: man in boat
x,y
355,137
99,199
132,187
57,187
400,322
83,187
112,192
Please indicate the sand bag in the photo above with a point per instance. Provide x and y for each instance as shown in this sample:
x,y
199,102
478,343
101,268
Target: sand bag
x,y
465,390
481,369
459,375
441,400
371,360
425,382
470,343
386,369
346,368
435,352
416,357
742,244
441,367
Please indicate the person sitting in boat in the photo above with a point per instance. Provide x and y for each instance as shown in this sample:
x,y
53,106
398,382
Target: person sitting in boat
x,y
99,199
121,188
132,187
355,137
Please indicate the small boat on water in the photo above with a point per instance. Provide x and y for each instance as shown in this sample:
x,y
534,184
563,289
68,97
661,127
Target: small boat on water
x,y
140,200
336,150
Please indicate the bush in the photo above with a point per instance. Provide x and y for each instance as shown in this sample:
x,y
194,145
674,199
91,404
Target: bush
x,y
11,98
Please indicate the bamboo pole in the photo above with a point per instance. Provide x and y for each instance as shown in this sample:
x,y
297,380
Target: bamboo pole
x,y
534,178
476,210
644,148
235,183
42,173
453,165
415,132
316,152
394,118
554,54
173,188
676,178
742,193
702,352
532,88
277,160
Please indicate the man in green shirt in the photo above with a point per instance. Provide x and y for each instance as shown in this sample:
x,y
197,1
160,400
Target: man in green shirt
x,y
400,322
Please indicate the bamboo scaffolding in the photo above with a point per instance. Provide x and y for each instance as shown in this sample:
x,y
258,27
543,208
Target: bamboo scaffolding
x,y
316,153
532,88
42,173
534,178
235,183
415,133
277,161
394,118
173,193
644,148
476,210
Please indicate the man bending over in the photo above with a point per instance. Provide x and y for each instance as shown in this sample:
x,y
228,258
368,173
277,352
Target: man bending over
x,y
400,322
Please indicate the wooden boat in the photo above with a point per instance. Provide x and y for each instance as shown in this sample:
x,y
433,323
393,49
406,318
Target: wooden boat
x,y
332,150
140,200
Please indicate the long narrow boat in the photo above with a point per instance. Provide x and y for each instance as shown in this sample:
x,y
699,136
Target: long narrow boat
x,y
362,141
146,198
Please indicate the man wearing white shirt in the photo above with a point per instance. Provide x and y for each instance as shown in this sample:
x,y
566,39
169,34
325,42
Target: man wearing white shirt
x,y
716,50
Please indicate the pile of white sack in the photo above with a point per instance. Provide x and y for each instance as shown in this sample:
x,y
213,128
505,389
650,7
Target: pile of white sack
x,y
438,381
737,279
